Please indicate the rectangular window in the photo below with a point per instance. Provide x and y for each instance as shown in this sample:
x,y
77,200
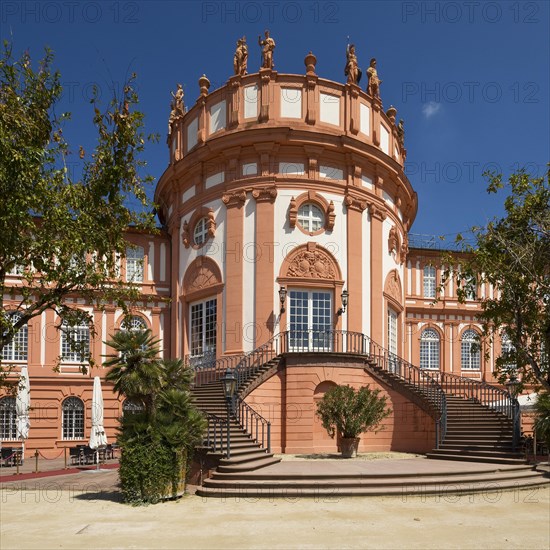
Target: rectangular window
x,y
203,328
392,341
329,109
364,118
217,117
384,139
291,103
75,343
134,264
429,281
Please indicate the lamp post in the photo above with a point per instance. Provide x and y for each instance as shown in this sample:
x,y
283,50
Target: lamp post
x,y
229,384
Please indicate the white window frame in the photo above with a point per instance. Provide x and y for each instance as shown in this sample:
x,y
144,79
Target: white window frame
x,y
429,281
430,349
200,232
469,360
8,419
208,330
311,217
73,419
316,336
17,350
77,334
135,260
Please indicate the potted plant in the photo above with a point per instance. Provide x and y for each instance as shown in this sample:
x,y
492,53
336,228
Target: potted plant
x,y
349,413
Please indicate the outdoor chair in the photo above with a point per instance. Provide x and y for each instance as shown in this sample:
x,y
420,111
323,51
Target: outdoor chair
x,y
75,455
8,456
89,455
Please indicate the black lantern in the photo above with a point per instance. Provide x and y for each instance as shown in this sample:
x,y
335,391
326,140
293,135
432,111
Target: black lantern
x,y
229,382
282,298
345,296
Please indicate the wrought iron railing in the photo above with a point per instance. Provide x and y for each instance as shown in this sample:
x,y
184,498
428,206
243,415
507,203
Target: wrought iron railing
x,y
494,398
217,434
254,424
246,366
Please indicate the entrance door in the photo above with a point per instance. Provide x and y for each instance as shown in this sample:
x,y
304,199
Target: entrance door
x,y
310,320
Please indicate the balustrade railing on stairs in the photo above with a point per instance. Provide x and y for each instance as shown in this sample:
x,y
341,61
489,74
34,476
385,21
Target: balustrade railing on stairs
x,y
494,398
246,366
254,424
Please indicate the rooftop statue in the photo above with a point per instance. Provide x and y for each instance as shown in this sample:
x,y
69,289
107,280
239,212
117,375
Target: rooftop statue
x,y
373,87
268,45
177,104
240,59
352,70
401,132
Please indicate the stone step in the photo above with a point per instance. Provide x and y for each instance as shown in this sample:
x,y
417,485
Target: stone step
x,y
474,458
230,466
336,491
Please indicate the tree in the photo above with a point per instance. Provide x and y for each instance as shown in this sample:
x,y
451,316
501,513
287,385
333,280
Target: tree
x,y
512,253
62,233
158,441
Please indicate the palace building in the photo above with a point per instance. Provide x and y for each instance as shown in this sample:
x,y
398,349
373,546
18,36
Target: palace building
x,y
286,217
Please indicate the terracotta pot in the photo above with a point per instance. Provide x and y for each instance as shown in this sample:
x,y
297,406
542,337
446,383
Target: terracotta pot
x,y
349,446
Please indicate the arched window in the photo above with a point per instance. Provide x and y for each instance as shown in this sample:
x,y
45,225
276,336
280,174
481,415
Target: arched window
x,y
8,419
75,342
133,323
73,418
200,233
131,406
16,350
134,264
429,349
429,281
311,217
469,347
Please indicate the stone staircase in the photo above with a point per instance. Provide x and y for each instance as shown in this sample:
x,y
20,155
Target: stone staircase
x,y
333,479
477,433
246,453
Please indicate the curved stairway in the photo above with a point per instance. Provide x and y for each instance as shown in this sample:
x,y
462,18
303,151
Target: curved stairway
x,y
470,427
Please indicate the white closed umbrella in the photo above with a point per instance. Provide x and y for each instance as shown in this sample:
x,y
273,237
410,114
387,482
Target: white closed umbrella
x,y
97,436
22,406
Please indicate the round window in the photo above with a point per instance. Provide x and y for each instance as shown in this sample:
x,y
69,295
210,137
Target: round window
x,y
310,217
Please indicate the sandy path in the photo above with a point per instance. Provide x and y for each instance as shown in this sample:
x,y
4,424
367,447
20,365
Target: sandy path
x,y
53,518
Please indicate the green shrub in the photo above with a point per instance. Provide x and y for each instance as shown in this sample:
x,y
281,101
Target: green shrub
x,y
542,422
348,412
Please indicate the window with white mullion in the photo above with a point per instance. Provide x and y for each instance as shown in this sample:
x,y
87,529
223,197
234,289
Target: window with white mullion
x,y
429,349
200,234
8,419
73,418
75,342
203,327
134,264
469,349
429,281
311,217
16,350
310,320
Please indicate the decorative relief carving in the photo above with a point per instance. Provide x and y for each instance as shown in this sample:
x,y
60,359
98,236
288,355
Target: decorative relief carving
x,y
404,250
393,286
312,264
185,237
234,198
393,240
202,273
377,212
355,203
331,216
265,194
292,213
211,223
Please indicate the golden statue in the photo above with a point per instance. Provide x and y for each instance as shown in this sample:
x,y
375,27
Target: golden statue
x,y
352,70
373,87
240,59
268,45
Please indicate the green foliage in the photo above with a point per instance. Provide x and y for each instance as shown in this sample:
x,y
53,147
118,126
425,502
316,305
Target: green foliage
x,y
348,412
512,253
63,233
542,422
157,442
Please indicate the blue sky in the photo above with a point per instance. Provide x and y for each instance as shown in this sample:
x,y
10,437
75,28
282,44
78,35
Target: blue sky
x,y
471,79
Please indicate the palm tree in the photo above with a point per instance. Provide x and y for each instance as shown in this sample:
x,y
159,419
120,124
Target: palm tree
x,y
136,369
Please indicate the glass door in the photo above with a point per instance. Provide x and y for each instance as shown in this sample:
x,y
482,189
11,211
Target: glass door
x,y
310,320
